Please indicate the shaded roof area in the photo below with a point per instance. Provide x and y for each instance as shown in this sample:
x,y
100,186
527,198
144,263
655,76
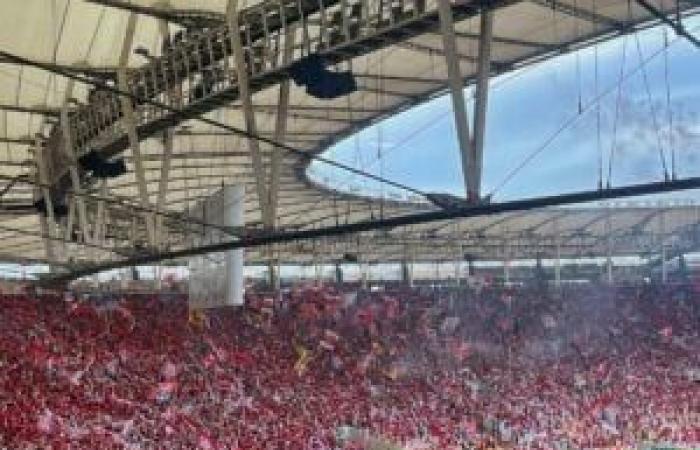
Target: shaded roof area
x,y
623,229
397,60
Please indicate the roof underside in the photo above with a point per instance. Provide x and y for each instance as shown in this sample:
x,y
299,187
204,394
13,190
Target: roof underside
x,y
392,76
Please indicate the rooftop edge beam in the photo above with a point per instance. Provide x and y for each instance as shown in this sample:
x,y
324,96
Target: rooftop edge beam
x,y
677,26
41,110
580,13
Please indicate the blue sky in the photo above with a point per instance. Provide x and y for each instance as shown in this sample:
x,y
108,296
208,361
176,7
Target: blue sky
x,y
527,108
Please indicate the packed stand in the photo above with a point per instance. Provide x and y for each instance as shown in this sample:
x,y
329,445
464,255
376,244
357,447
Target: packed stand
x,y
318,368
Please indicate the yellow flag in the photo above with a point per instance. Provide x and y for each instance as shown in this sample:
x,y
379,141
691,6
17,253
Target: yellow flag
x,y
303,358
196,318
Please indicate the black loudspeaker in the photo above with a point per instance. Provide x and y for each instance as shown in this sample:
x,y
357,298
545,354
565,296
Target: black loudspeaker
x,y
319,81
100,167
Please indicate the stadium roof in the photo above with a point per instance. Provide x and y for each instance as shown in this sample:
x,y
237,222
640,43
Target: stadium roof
x,y
395,53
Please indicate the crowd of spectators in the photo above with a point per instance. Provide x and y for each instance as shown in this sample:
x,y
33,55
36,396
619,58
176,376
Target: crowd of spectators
x,y
319,368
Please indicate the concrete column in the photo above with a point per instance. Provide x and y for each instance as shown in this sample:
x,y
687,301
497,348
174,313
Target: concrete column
x,y
662,232
338,273
608,233
234,205
364,275
557,262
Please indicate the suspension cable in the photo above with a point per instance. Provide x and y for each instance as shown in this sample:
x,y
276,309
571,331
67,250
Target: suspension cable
x,y
596,82
618,102
652,109
571,120
671,131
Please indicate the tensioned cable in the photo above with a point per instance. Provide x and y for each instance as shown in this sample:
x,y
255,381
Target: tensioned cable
x,y
11,57
567,123
434,120
618,103
652,108
671,141
599,140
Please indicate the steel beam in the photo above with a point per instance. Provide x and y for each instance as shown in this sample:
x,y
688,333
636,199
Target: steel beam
x,y
480,105
277,154
280,130
166,159
507,41
129,121
43,175
247,101
40,110
423,48
73,169
17,140
455,82
163,182
312,108
47,221
70,219
98,232
404,220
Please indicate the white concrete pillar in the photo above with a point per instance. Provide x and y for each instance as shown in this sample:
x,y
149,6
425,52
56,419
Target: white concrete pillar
x,y
609,261
557,266
234,204
662,232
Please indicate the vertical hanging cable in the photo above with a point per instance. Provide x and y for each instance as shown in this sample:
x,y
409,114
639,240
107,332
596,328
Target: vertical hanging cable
x,y
611,157
652,110
596,85
671,143
380,83
577,34
599,145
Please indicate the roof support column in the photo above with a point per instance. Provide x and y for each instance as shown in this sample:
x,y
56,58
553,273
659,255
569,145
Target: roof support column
x,y
163,184
480,105
70,220
47,221
165,163
248,112
98,233
280,129
273,273
455,82
47,237
276,158
73,169
129,121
